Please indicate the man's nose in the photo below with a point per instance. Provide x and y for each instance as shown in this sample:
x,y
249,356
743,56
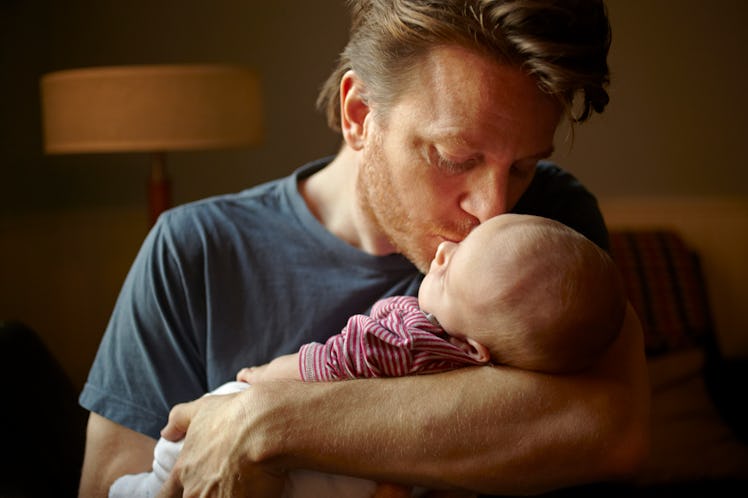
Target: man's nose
x,y
486,194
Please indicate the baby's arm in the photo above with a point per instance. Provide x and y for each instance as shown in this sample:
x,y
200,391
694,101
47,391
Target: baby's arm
x,y
283,367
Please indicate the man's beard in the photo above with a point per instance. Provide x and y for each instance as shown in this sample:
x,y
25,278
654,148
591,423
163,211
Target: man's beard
x,y
378,200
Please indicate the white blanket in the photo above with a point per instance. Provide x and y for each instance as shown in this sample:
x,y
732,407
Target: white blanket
x,y
300,484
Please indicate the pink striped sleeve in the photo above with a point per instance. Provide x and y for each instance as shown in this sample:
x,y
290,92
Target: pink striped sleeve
x,y
396,340
340,358
427,347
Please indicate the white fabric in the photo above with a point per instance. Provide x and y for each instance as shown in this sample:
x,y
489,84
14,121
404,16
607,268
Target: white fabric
x,y
300,484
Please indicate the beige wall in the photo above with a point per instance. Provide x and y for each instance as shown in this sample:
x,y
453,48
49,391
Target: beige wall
x,y
69,226
676,123
61,273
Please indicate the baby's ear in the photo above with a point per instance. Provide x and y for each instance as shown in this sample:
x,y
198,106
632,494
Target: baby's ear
x,y
478,351
472,348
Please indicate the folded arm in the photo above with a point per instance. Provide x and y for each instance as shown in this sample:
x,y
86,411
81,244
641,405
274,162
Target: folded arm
x,y
489,429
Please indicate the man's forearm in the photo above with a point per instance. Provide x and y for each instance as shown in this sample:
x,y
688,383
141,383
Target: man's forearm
x,y
490,429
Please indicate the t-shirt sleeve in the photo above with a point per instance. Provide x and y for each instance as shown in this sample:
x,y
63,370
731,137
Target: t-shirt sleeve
x,y
150,357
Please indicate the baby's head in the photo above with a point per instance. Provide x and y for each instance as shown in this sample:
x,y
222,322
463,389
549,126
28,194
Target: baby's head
x,y
528,292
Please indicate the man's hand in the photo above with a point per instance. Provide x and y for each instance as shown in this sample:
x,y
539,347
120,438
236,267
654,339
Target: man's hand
x,y
216,461
283,367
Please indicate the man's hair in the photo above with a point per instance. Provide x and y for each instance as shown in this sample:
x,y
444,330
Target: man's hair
x,y
562,43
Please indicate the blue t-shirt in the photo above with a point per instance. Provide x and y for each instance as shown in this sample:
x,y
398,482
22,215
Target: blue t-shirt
x,y
237,280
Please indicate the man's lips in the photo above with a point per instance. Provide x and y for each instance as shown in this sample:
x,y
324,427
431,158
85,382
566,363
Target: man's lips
x,y
456,238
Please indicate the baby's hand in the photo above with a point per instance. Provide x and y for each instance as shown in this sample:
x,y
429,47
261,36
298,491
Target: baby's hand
x,y
251,375
283,367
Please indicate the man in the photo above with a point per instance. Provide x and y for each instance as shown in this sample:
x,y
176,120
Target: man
x,y
445,108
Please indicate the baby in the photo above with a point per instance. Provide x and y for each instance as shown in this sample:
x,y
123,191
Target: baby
x,y
519,290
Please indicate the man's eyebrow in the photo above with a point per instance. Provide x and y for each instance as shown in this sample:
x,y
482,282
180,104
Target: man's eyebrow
x,y
449,137
455,138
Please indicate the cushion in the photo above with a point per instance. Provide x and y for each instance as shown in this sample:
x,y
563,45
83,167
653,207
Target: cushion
x,y
690,439
665,286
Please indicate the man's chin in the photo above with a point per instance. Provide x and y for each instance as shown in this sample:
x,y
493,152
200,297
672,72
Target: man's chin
x,y
410,249
420,261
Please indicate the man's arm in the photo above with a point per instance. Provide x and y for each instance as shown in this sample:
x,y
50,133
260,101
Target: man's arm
x,y
112,450
489,429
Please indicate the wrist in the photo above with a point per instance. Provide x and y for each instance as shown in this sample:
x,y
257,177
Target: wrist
x,y
283,435
284,367
266,419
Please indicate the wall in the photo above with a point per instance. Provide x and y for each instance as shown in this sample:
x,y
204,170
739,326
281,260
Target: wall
x,y
61,272
69,226
676,120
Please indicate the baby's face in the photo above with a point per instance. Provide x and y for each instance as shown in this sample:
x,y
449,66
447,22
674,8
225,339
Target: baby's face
x,y
435,295
457,283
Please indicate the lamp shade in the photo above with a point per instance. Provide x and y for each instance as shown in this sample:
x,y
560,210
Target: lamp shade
x,y
150,108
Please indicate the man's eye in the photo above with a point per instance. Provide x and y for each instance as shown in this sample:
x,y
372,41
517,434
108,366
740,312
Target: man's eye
x,y
447,165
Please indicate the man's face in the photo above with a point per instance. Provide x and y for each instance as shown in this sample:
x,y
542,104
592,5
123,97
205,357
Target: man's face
x,y
458,147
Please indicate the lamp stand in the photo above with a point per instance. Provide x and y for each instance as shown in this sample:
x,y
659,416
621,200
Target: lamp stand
x,y
159,187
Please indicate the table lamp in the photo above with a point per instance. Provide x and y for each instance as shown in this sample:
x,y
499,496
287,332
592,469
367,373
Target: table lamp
x,y
151,108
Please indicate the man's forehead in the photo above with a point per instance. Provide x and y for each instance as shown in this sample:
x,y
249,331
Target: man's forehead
x,y
462,97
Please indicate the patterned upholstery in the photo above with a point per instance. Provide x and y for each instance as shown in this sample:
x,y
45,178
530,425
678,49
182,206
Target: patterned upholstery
x,y
665,285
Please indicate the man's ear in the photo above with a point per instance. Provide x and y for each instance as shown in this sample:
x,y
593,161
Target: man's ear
x,y
353,110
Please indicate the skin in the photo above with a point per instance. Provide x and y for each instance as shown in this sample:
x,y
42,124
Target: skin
x,y
282,367
464,283
389,191
111,451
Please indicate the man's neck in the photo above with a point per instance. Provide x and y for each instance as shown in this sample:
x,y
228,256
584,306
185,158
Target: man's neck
x,y
332,196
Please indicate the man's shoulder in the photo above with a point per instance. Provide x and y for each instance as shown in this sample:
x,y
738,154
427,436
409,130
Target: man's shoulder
x,y
261,204
549,176
555,193
223,207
